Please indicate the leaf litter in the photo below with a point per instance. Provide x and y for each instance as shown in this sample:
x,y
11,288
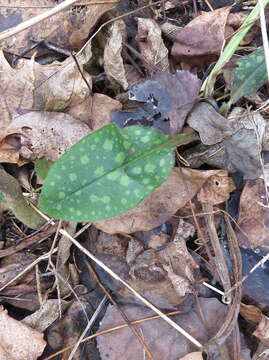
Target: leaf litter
x,y
163,223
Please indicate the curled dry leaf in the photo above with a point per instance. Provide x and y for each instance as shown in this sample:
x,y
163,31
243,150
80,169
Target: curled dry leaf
x,y
164,96
241,135
29,343
253,221
216,189
262,331
68,29
152,48
43,134
181,186
31,86
202,40
113,62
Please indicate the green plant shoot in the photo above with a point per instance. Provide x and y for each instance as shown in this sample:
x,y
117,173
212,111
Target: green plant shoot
x,y
109,172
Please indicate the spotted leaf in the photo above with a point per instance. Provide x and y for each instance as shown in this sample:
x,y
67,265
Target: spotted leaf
x,y
108,172
249,75
42,167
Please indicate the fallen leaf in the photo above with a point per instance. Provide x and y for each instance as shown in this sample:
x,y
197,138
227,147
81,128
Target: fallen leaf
x,y
113,62
102,108
216,189
181,186
201,40
163,341
49,311
29,343
193,356
251,313
262,331
253,220
165,96
44,134
68,28
152,48
237,134
31,86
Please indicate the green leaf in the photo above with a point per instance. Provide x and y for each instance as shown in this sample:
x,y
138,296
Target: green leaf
x,y
42,167
2,196
249,75
108,172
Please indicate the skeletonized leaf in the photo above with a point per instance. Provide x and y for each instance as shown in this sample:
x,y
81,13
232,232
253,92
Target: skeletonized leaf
x,y
107,173
249,75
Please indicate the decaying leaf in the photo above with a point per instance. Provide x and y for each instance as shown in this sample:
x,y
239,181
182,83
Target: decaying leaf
x,y
152,48
31,86
113,62
241,135
216,189
19,341
42,134
202,39
253,218
193,356
163,341
262,331
68,28
49,311
166,97
181,186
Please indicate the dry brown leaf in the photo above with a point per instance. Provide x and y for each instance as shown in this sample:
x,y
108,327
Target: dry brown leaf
x,y
102,108
113,62
44,134
262,331
216,189
181,186
31,86
152,48
49,311
19,341
251,313
193,356
163,341
68,29
201,41
253,221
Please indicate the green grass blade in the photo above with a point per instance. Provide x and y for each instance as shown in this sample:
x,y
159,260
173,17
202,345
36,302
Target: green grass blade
x,y
230,49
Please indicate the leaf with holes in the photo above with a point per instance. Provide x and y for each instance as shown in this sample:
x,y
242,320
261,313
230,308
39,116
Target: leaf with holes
x,y
109,172
249,75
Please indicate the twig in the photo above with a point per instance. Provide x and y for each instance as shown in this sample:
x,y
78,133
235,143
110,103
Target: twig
x,y
28,241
